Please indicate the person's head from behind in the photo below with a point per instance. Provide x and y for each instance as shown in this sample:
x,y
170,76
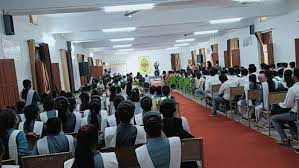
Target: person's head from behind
x,y
288,73
135,96
62,105
280,72
168,107
269,75
263,66
165,90
213,72
95,97
252,78
252,69
146,103
118,89
86,145
72,100
8,119
84,98
296,74
284,65
244,72
222,78
125,111
31,112
237,70
95,106
231,71
153,124
54,126
48,103
27,84
94,92
20,106
292,64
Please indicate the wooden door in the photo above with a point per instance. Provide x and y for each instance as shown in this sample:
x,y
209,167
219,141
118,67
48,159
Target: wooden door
x,y
235,58
297,52
270,53
56,77
9,93
226,59
71,71
46,60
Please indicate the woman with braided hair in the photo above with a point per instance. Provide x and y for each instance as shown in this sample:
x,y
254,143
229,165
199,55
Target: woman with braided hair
x,y
125,134
71,121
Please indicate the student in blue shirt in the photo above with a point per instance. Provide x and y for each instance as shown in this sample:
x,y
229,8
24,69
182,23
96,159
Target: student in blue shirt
x,y
55,142
49,111
7,131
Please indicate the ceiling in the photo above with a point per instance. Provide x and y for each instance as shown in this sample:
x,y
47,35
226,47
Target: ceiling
x,y
82,21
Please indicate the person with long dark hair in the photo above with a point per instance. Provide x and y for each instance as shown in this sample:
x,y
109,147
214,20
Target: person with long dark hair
x,y
71,121
109,100
135,98
15,141
95,116
125,134
174,126
49,110
31,126
84,97
146,105
55,141
87,155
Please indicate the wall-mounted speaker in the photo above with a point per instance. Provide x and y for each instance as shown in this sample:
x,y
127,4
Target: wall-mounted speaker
x,y
8,24
252,29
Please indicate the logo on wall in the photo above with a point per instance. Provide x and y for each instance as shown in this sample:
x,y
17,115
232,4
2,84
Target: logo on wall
x,y
144,65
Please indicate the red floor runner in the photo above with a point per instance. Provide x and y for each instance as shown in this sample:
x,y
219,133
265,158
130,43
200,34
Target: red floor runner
x,y
229,144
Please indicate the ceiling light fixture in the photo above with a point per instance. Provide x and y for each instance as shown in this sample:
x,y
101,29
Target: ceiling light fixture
x,y
126,50
123,29
172,48
246,1
206,32
181,45
230,20
122,39
120,53
123,46
184,40
124,8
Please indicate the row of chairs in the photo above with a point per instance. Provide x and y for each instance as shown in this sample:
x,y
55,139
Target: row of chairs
x,y
273,99
192,150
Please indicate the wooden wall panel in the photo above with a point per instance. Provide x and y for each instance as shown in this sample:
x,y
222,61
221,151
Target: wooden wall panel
x,y
270,50
96,72
32,52
226,59
46,59
9,93
56,77
71,71
65,70
235,58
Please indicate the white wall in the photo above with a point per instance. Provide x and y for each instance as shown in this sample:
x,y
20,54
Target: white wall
x,y
25,31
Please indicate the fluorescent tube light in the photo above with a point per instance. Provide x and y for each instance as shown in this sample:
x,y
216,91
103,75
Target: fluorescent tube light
x,y
206,32
120,53
123,46
123,29
172,48
125,8
244,1
182,44
230,20
184,40
125,50
122,39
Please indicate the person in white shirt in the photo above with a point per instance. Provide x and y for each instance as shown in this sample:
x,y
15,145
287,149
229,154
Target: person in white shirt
x,y
232,77
223,94
290,102
244,78
213,80
279,77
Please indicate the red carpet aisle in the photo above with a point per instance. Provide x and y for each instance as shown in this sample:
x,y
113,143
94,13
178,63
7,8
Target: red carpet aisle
x,y
229,144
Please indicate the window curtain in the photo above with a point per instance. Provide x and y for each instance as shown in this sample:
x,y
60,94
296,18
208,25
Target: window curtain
x,y
32,56
65,70
214,54
194,57
45,59
233,52
258,35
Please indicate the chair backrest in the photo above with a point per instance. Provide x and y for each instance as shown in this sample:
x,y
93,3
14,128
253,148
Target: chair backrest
x,y
46,161
192,150
236,91
215,88
276,97
253,94
9,162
